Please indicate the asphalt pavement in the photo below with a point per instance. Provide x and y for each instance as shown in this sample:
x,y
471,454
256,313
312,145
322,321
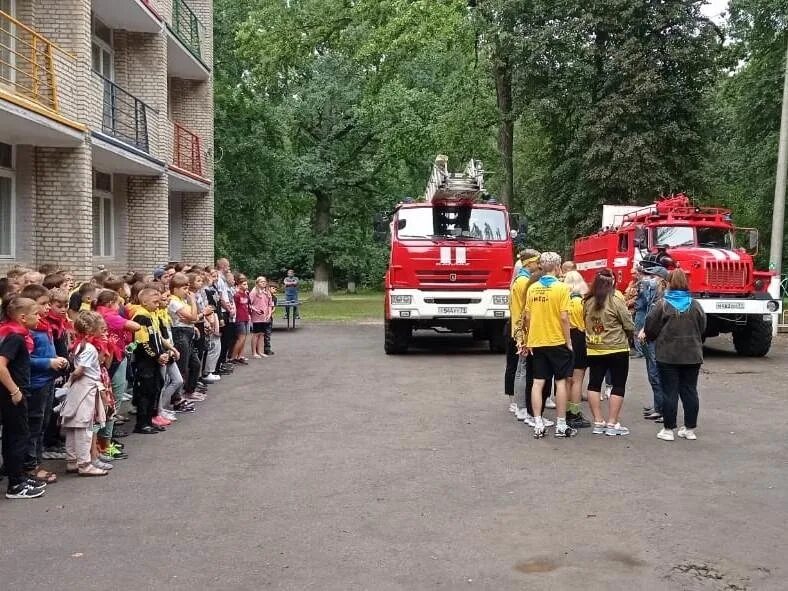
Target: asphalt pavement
x,y
334,467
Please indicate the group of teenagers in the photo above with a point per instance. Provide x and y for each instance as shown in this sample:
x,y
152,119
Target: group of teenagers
x,y
71,355
562,328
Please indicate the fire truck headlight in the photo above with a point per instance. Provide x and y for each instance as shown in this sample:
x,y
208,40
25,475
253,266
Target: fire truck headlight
x,y
772,306
401,300
500,300
759,285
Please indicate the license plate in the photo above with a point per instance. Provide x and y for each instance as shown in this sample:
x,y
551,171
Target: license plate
x,y
452,310
730,306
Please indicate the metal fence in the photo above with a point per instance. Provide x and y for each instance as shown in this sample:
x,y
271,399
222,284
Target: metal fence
x,y
187,152
187,26
124,116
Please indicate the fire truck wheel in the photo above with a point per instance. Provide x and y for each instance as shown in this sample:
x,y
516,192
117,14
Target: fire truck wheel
x,y
396,337
755,339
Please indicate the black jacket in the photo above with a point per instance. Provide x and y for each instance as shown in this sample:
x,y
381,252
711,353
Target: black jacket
x,y
678,335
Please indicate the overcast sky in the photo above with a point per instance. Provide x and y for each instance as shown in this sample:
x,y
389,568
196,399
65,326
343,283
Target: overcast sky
x,y
715,8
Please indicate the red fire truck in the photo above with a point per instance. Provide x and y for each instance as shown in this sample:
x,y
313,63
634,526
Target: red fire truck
x,y
704,243
451,261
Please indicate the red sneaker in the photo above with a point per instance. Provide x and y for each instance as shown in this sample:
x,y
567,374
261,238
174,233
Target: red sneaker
x,y
159,421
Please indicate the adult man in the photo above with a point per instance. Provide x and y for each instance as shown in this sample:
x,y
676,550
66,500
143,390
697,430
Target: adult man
x,y
529,263
548,339
226,327
291,293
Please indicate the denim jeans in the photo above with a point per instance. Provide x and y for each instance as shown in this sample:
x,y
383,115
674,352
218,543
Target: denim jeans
x,y
39,407
680,381
650,354
640,322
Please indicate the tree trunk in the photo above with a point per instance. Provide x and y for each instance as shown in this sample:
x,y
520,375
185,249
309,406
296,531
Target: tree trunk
x,y
503,91
322,224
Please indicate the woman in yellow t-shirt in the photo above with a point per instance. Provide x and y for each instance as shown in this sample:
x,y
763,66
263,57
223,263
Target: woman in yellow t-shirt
x,y
609,328
578,288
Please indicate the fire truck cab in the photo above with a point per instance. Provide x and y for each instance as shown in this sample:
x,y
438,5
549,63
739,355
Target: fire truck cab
x,y
702,241
451,262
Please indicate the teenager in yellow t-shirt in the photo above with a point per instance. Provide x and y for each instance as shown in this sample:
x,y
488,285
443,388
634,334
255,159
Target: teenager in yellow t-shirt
x,y
548,340
529,263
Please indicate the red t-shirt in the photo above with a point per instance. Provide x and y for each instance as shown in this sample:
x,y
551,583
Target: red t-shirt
x,y
242,306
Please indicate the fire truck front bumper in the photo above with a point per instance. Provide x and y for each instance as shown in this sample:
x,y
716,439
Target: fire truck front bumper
x,y
740,306
415,304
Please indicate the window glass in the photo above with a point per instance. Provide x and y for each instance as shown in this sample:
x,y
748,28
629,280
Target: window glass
x,y
6,153
107,227
97,226
6,216
102,181
675,236
460,222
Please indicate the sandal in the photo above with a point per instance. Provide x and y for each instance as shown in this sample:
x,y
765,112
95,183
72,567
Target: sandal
x,y
43,475
91,470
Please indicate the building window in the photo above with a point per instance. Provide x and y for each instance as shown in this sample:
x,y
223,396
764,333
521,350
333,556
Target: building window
x,y
7,201
103,215
101,50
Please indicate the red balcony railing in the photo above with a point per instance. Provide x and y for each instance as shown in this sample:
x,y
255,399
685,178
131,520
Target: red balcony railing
x,y
187,153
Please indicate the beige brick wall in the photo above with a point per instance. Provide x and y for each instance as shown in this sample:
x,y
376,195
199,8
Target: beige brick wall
x,y
148,206
64,208
197,244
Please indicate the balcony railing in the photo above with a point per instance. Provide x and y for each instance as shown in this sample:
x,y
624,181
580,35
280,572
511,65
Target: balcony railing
x,y
186,26
187,151
124,116
27,63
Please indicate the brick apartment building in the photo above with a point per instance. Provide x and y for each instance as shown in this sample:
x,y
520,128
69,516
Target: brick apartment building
x,y
106,133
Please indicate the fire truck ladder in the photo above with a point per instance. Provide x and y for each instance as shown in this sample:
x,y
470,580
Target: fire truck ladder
x,y
444,185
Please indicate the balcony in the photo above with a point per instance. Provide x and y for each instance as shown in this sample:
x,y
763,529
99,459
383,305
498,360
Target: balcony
x,y
132,15
184,44
32,110
188,170
124,146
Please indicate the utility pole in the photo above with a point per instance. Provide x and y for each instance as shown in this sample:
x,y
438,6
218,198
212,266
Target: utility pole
x,y
778,213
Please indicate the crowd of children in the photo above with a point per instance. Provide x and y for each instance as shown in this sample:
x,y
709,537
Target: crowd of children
x,y
73,354
561,327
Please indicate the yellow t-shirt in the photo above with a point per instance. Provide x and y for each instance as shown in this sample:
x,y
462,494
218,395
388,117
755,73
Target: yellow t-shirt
x,y
544,304
517,295
576,315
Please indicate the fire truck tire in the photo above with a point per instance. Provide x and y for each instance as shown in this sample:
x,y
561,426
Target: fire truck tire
x,y
755,339
396,337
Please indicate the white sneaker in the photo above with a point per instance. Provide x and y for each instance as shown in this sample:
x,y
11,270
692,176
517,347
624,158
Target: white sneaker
x,y
548,422
666,435
512,407
549,403
211,378
529,420
617,429
168,414
539,428
521,414
685,433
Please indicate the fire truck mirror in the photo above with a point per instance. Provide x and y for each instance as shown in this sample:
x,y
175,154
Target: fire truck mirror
x,y
380,227
641,238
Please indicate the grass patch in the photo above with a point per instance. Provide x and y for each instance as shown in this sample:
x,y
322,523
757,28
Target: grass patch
x,y
344,308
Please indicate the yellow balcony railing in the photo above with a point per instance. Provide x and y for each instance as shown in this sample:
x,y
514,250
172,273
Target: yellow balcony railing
x,y
27,63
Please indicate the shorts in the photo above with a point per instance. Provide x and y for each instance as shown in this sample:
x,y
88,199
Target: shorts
x,y
579,348
242,328
259,327
615,363
557,362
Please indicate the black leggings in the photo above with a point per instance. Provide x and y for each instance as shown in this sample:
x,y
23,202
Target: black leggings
x,y
511,363
615,363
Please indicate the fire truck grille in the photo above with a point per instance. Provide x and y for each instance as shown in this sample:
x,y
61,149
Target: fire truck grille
x,y
439,278
726,275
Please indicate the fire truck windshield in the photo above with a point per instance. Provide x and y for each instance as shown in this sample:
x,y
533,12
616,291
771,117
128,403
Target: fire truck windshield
x,y
451,221
680,236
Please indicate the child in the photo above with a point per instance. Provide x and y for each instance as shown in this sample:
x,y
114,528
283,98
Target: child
x,y
242,319
150,356
62,330
81,300
213,344
16,343
183,316
121,334
261,304
44,366
83,407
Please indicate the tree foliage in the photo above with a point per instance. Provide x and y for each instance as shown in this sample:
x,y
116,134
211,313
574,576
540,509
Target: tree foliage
x,y
331,110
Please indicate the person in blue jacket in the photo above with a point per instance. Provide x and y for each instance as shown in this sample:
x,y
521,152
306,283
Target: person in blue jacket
x,y
44,366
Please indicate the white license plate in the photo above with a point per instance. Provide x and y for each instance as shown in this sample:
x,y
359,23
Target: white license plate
x,y
452,310
730,306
